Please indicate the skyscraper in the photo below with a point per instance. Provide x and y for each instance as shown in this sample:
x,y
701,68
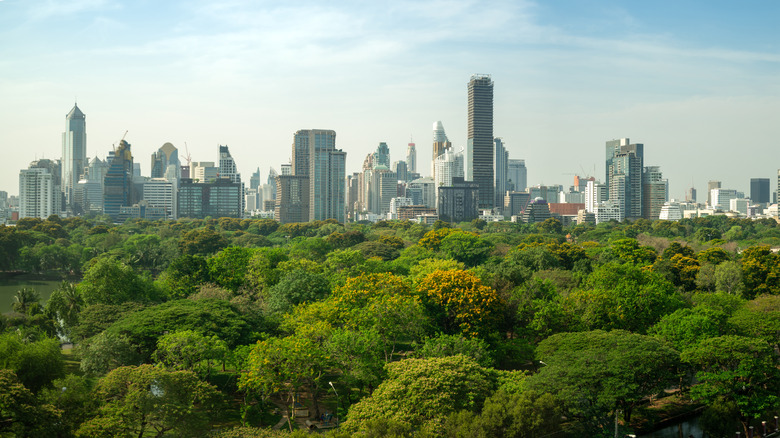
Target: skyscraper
x,y
759,190
327,169
411,158
227,166
118,189
382,156
501,169
625,163
74,152
655,192
166,156
39,191
710,186
479,148
517,175
441,144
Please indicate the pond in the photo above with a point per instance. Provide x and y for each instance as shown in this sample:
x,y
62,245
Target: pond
x,y
10,284
686,429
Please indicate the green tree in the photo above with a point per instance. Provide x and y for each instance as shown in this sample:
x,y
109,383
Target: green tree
x,y
728,278
187,350
71,395
184,275
137,400
35,363
202,241
229,267
421,393
467,248
452,345
506,414
760,271
357,356
107,351
21,415
685,327
594,373
624,297
208,316
65,304
736,369
109,281
26,300
297,287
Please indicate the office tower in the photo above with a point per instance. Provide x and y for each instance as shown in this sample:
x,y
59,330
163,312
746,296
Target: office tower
x,y
353,184
710,186
89,191
299,164
479,148
74,152
218,198
690,195
165,156
448,166
203,171
759,190
118,189
515,203
401,170
458,202
656,192
411,158
384,187
227,166
440,144
422,191
382,156
39,190
625,163
160,192
595,194
327,169
254,180
501,167
229,170
517,175
721,198
292,198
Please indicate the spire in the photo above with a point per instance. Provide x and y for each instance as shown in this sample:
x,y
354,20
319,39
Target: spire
x,y
75,113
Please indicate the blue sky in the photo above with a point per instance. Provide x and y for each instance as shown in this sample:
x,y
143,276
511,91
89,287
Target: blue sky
x,y
697,82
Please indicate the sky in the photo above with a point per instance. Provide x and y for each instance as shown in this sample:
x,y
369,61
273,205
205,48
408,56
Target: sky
x,y
697,82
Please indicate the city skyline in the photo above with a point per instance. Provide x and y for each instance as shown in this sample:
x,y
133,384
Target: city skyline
x,y
695,83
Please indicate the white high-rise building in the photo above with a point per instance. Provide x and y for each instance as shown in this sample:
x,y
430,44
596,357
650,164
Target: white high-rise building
x,y
448,165
411,158
160,192
595,194
39,194
74,152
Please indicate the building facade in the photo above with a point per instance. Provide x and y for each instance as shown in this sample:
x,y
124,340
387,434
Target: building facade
x,y
458,202
118,187
74,152
479,146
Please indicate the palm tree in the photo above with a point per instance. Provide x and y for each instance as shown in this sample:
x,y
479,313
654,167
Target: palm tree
x,y
24,299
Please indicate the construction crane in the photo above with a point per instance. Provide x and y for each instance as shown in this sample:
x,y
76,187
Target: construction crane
x,y
187,157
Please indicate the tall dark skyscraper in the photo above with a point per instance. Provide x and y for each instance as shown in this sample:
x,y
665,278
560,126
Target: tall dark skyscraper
x,y
118,189
479,149
759,190
74,152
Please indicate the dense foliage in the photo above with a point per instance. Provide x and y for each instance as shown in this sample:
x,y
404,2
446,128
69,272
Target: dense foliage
x,y
217,326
